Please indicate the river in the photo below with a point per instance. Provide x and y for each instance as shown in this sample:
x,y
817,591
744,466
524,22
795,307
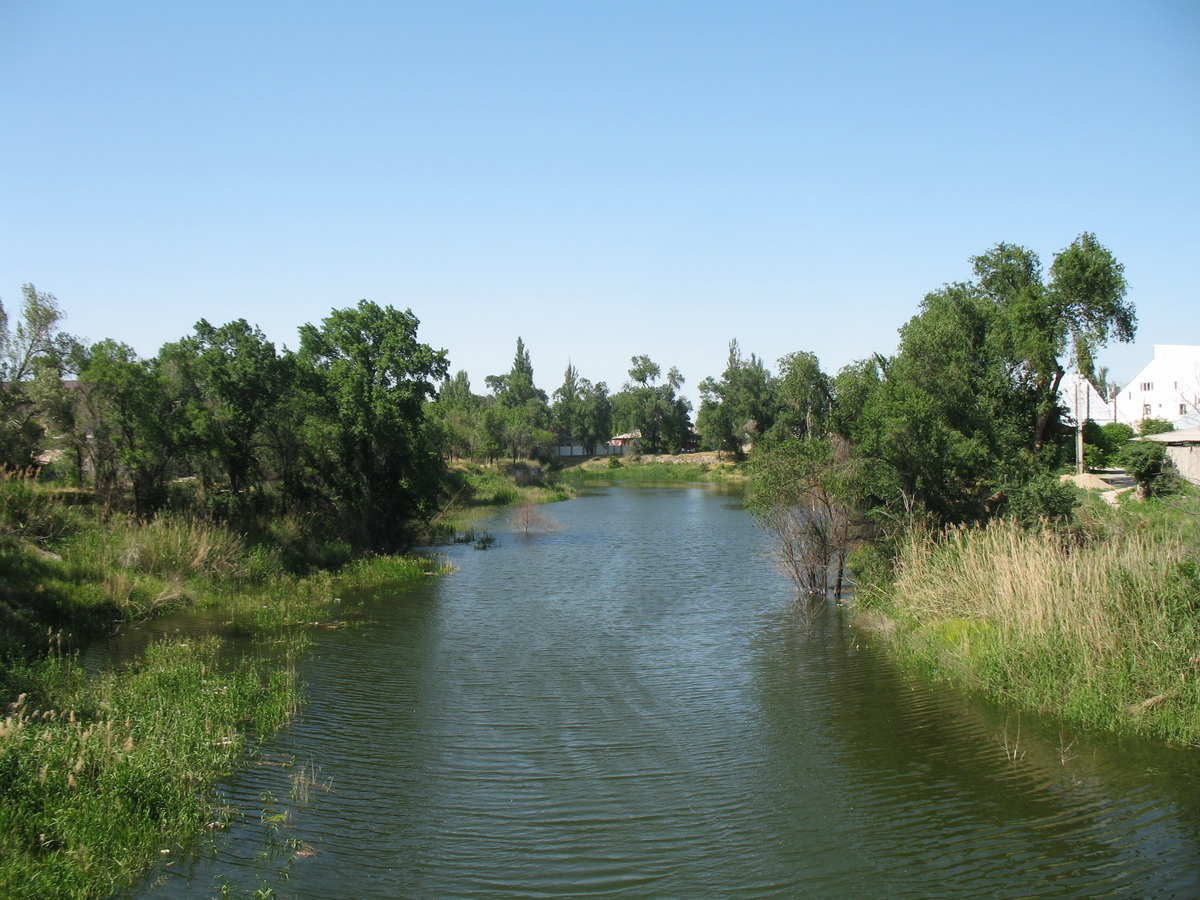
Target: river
x,y
633,703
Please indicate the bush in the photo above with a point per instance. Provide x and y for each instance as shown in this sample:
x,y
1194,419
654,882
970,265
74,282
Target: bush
x,y
1148,464
32,514
1155,426
1042,498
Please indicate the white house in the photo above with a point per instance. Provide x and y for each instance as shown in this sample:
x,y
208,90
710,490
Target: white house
x,y
1167,388
1082,400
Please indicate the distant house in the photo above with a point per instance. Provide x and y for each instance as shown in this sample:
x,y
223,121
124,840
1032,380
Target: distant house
x,y
1183,447
566,447
619,444
1167,388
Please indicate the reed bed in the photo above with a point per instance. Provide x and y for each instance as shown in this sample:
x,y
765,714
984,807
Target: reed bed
x,y
1103,629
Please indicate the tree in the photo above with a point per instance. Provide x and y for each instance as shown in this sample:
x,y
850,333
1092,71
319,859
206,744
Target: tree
x,y
740,406
34,338
232,381
805,395
134,421
803,494
523,408
366,379
459,413
582,410
1080,309
966,414
656,411
1149,465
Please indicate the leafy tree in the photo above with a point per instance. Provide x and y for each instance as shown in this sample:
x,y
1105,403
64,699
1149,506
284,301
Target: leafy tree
x,y
581,410
34,338
233,382
459,413
738,407
366,379
805,395
1148,464
1079,309
524,411
966,413
516,388
804,493
655,410
134,421
1104,442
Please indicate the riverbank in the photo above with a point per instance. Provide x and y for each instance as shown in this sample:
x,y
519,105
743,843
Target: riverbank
x,y
1098,624
684,467
103,771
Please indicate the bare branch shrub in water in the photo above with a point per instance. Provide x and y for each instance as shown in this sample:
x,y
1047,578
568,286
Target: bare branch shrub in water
x,y
528,519
798,499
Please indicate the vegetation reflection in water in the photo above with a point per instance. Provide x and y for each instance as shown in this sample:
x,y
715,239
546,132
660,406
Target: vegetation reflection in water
x,y
634,703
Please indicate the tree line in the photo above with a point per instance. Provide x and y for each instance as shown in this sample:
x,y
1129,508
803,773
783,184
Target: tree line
x,y
352,429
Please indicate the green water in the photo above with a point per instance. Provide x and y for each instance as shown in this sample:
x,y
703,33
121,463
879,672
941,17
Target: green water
x,y
635,705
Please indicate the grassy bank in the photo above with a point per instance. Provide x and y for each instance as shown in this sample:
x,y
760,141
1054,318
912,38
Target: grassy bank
x,y
689,467
1099,624
101,773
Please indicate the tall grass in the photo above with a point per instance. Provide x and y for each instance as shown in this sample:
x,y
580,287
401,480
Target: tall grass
x,y
98,775
1103,629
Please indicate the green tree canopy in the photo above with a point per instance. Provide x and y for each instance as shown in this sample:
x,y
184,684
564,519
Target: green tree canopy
x,y
740,406
366,378
656,411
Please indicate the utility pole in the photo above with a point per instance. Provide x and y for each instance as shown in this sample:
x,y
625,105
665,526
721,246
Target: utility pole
x,y
1078,421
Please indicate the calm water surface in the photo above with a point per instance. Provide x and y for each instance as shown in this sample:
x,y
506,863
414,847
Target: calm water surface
x,y
635,705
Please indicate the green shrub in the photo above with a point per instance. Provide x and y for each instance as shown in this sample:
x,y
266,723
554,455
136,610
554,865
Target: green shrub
x,y
28,512
1148,464
1040,499
1104,443
1155,426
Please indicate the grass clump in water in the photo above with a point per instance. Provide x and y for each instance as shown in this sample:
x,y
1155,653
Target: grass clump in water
x,y
100,774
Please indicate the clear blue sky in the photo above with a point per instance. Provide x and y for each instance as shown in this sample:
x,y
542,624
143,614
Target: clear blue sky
x,y
603,179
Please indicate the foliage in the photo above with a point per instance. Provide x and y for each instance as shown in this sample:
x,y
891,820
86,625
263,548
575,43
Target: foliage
x,y
1154,426
1041,498
1103,443
1148,464
738,407
657,412
233,381
802,493
134,419
1098,628
967,410
33,343
582,411
366,380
